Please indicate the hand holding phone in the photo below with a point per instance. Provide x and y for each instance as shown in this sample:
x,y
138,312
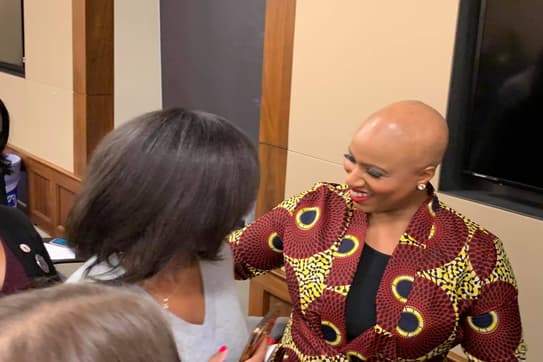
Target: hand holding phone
x,y
259,333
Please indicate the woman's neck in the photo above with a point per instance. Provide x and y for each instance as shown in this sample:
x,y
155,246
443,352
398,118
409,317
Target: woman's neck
x,y
172,276
385,228
181,291
400,216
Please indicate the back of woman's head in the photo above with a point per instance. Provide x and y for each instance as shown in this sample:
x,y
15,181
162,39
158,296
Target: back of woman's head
x,y
167,184
83,322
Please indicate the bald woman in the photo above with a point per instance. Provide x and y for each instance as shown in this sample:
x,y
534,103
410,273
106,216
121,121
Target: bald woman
x,y
379,269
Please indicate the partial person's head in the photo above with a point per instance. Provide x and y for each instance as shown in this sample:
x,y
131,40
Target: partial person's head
x,y
393,156
164,188
83,322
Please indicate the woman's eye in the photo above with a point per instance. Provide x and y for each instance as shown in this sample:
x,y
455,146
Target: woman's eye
x,y
349,158
374,173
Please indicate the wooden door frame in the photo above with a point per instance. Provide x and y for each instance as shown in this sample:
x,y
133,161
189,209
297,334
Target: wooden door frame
x,y
275,109
93,71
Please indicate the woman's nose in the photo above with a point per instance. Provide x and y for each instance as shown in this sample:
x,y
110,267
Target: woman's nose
x,y
353,178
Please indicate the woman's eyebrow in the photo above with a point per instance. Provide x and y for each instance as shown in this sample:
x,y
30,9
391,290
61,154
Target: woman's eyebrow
x,y
367,165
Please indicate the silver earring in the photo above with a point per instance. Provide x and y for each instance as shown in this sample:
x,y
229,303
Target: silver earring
x,y
421,187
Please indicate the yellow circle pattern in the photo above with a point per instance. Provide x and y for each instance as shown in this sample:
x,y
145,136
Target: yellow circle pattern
x,y
356,244
354,354
272,246
488,329
336,331
397,281
301,224
420,326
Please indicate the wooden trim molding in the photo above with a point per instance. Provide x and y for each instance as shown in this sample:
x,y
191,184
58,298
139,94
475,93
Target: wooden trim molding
x,y
273,163
92,30
51,191
277,71
274,113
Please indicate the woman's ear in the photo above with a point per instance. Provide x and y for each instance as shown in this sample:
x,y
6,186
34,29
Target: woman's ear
x,y
426,174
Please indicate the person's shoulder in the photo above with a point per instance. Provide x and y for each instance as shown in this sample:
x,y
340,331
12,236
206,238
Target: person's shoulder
x,y
26,244
15,224
463,222
319,192
324,189
8,212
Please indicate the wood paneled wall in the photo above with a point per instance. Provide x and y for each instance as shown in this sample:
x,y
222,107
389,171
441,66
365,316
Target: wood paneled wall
x,y
51,189
51,192
92,29
274,113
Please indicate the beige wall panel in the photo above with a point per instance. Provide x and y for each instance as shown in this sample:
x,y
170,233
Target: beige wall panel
x,y
48,42
304,171
40,119
138,84
46,128
352,57
41,104
12,93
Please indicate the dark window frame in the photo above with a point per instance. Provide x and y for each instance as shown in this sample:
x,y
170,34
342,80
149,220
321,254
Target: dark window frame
x,y
18,70
453,180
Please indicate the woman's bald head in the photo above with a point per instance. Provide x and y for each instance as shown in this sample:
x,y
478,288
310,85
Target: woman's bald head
x,y
417,132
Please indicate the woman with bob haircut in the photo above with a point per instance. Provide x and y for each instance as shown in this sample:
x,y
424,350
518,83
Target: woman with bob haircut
x,y
162,192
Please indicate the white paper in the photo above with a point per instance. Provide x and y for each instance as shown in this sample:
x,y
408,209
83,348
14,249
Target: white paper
x,y
57,252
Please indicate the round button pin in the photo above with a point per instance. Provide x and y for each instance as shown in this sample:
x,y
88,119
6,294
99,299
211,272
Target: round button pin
x,y
25,248
42,263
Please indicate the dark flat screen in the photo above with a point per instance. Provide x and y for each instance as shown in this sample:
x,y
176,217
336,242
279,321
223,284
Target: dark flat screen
x,y
505,133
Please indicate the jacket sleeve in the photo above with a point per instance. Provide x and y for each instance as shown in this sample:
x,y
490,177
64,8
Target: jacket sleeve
x,y
258,248
491,328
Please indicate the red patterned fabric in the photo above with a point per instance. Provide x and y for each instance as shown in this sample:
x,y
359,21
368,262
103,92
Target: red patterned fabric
x,y
448,281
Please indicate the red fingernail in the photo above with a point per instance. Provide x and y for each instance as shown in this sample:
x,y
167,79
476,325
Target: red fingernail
x,y
270,340
223,349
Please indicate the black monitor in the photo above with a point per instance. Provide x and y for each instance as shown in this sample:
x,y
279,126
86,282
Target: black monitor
x,y
11,37
495,109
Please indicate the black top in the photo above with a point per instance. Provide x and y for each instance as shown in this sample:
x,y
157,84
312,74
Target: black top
x,y
25,244
360,309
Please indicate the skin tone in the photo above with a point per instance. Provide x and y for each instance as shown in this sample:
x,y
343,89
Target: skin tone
x,y
184,289
395,149
259,355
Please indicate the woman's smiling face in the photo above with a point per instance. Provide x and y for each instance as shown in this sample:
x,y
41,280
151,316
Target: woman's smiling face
x,y
384,165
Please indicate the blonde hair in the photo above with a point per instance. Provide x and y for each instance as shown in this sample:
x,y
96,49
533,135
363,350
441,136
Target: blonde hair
x,y
84,322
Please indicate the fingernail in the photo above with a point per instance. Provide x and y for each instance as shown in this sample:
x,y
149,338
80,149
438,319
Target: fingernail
x,y
223,349
270,340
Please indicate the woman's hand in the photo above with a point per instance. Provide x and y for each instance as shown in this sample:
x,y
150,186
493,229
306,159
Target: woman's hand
x,y
258,356
220,356
260,353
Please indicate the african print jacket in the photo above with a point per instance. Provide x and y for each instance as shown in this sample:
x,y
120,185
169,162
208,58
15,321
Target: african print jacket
x,y
447,282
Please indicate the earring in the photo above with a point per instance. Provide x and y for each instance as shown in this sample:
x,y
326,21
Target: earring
x,y
421,187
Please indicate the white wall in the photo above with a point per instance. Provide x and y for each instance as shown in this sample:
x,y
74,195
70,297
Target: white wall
x,y
41,104
137,76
